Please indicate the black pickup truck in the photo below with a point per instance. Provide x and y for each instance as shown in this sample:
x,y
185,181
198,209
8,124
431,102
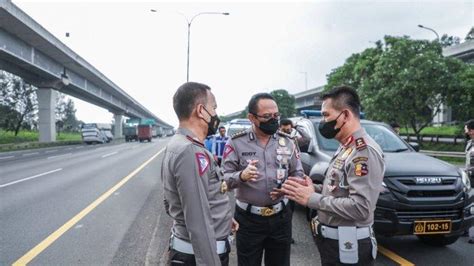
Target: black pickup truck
x,y
421,195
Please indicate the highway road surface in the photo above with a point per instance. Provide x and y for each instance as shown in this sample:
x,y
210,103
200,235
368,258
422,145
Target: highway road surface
x,y
102,205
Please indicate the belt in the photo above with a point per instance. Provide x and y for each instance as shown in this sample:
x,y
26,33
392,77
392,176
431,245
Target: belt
x,y
186,247
263,211
332,233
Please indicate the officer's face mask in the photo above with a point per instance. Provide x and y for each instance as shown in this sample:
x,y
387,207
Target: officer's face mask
x,y
328,130
213,124
269,127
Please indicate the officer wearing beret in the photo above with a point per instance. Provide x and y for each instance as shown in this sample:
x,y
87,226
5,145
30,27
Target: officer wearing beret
x,y
347,198
193,185
255,162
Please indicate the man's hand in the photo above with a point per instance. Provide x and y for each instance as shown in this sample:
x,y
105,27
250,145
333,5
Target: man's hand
x,y
250,172
235,226
298,190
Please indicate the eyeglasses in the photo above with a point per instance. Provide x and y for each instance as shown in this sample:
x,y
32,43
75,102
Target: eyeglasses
x,y
269,116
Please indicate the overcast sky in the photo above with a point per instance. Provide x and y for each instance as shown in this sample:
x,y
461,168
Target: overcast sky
x,y
258,47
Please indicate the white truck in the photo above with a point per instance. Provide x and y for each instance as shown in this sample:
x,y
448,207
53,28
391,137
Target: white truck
x,y
96,133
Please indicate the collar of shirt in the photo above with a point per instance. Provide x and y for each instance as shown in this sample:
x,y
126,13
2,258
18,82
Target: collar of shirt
x,y
189,135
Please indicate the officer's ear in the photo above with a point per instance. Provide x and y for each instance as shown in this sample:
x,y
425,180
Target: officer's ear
x,y
251,117
200,110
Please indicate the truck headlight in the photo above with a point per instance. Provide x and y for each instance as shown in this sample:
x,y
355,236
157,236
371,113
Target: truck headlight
x,y
466,181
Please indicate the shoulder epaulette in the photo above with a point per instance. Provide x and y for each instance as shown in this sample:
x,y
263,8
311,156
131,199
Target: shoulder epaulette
x,y
360,144
238,134
194,141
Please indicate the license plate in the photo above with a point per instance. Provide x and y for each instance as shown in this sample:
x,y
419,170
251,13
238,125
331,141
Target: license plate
x,y
432,227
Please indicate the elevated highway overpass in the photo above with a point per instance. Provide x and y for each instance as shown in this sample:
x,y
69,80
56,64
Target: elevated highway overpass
x,y
31,52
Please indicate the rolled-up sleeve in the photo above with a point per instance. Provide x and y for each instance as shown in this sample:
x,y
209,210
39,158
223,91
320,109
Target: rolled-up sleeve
x,y
193,194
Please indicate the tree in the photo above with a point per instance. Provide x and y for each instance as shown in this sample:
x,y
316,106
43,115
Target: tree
x,y
449,40
403,80
18,100
285,102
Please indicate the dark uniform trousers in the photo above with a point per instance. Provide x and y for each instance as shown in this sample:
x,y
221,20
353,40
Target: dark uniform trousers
x,y
258,233
329,251
178,258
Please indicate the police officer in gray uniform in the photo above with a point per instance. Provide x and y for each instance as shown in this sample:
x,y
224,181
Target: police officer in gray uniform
x,y
193,185
346,200
255,162
469,131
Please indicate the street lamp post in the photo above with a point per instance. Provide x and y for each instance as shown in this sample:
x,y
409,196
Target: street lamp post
x,y
189,22
430,29
305,79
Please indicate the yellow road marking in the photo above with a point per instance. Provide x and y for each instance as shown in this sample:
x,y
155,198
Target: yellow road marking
x,y
391,255
30,255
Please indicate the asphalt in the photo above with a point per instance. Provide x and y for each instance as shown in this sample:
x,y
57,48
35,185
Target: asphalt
x,y
129,226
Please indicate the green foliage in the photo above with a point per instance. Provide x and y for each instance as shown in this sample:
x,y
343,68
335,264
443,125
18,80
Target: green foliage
x,y
285,102
444,130
446,40
406,81
18,101
7,137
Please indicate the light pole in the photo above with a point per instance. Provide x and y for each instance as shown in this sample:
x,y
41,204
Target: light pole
x,y
189,22
430,29
305,79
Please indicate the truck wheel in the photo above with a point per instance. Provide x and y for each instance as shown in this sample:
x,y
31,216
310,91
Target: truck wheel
x,y
438,240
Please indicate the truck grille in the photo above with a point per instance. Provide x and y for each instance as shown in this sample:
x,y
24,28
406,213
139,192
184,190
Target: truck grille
x,y
431,193
411,181
407,216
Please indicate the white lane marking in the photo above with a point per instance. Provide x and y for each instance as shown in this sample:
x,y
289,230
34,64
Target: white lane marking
x,y
51,151
55,156
109,154
28,154
31,177
6,157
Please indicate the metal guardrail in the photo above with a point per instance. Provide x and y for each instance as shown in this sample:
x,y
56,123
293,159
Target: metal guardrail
x,y
453,154
437,138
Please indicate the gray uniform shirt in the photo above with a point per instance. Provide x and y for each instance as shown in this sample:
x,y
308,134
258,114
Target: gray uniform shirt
x,y
192,189
280,152
352,184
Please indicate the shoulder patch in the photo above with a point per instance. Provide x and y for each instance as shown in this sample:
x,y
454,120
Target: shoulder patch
x,y
203,162
361,169
238,134
360,144
360,159
227,150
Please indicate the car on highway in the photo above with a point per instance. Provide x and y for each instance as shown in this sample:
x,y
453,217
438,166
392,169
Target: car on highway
x,y
421,195
237,125
91,133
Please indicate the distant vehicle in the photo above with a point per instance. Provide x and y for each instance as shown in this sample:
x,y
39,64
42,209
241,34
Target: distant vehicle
x,y
159,132
421,195
145,133
130,133
91,133
237,125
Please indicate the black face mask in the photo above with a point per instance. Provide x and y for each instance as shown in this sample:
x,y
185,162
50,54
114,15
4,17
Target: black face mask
x,y
213,124
269,127
327,129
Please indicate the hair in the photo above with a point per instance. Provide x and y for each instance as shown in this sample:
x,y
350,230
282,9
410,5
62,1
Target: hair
x,y
187,97
285,122
253,103
469,124
344,97
394,124
221,127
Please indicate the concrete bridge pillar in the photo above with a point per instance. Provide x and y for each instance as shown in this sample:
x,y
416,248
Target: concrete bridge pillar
x,y
46,116
118,125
